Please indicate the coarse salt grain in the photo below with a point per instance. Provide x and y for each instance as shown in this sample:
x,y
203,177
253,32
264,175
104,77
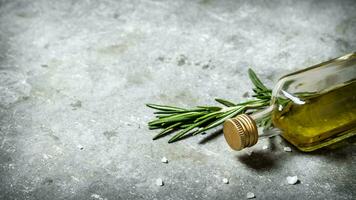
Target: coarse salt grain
x,y
291,180
250,195
225,180
265,147
287,149
164,160
159,182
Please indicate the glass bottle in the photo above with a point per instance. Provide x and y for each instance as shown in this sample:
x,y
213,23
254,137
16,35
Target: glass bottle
x,y
313,108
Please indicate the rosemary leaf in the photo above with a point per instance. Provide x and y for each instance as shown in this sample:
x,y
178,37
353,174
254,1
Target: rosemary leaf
x,y
186,130
220,121
176,118
167,130
208,115
210,108
164,108
225,102
256,81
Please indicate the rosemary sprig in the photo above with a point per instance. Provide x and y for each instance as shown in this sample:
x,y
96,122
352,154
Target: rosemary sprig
x,y
203,118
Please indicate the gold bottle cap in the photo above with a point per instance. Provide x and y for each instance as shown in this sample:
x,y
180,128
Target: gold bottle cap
x,y
240,132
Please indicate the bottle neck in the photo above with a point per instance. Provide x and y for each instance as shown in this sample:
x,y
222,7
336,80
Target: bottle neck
x,y
241,131
257,116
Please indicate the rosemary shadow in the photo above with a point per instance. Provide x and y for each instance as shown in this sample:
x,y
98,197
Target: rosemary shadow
x,y
212,136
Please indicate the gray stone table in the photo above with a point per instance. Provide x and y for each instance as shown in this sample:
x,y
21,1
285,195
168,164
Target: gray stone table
x,y
75,75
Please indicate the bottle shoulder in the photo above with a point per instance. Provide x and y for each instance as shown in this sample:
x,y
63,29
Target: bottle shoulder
x,y
319,77
335,64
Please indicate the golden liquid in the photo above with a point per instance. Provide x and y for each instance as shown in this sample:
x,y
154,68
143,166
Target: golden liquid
x,y
324,119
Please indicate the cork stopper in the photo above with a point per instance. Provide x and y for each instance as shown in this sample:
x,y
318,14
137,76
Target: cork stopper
x,y
240,132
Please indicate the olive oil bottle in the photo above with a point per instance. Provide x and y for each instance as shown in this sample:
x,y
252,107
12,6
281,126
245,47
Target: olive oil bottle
x,y
324,118
313,108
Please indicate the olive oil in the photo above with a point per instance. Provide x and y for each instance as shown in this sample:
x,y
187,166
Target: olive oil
x,y
322,119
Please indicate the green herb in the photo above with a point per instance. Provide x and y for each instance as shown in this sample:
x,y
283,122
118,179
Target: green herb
x,y
187,122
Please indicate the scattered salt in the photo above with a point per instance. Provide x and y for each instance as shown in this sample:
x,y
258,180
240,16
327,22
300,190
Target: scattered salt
x,y
250,195
291,180
96,196
159,182
164,160
265,147
287,149
225,180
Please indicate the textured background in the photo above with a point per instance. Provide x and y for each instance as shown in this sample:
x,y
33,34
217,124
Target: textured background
x,y
75,75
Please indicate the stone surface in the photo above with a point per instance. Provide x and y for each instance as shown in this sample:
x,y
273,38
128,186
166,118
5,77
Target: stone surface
x,y
75,75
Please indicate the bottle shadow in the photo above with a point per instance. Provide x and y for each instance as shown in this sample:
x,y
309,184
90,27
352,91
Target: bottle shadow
x,y
264,160
258,160
261,160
